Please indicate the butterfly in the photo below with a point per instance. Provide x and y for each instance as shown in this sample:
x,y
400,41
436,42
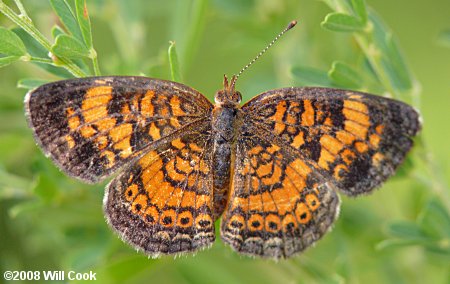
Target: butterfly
x,y
271,169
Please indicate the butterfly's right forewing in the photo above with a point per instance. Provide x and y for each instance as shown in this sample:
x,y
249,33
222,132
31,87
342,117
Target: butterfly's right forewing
x,y
354,140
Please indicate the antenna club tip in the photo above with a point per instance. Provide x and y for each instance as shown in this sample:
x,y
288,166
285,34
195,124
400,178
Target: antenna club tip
x,y
291,24
235,77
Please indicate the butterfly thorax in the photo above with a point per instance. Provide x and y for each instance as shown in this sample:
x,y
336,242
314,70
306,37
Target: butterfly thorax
x,y
226,120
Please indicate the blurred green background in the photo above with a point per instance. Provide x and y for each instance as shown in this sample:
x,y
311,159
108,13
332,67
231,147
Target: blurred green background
x,y
399,234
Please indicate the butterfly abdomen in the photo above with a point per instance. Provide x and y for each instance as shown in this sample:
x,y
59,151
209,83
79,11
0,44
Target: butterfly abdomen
x,y
224,125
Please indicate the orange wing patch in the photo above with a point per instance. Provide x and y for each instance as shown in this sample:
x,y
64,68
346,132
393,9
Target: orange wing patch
x,y
93,126
274,200
95,103
166,196
344,135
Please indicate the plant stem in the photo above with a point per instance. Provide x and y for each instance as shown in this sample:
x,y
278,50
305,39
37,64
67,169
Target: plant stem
x,y
23,13
174,65
27,26
435,177
192,37
373,56
31,30
96,67
94,58
42,60
371,52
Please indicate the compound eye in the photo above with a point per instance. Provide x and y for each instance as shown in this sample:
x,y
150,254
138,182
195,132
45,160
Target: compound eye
x,y
219,97
237,97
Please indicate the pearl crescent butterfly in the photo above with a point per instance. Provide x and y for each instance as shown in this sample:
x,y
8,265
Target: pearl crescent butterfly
x,y
271,168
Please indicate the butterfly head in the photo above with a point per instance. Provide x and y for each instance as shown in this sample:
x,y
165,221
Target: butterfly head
x,y
228,96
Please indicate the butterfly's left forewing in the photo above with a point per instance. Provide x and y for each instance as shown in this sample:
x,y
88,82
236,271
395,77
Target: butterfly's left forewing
x,y
91,127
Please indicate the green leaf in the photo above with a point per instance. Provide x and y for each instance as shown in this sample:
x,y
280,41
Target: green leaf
x,y
119,270
190,23
174,65
407,231
34,48
37,50
10,43
24,207
394,243
432,230
311,77
342,23
82,64
67,17
4,61
56,31
435,220
46,188
14,186
359,6
84,22
69,47
398,71
345,76
30,83
320,274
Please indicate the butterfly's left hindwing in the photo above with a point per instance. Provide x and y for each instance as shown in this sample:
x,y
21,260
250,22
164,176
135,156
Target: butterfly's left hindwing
x,y
92,126
163,203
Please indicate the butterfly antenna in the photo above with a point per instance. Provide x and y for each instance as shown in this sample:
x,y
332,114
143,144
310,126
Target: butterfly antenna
x,y
235,77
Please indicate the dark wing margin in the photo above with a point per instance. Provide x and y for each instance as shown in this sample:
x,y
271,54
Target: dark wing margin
x,y
92,126
163,203
354,139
